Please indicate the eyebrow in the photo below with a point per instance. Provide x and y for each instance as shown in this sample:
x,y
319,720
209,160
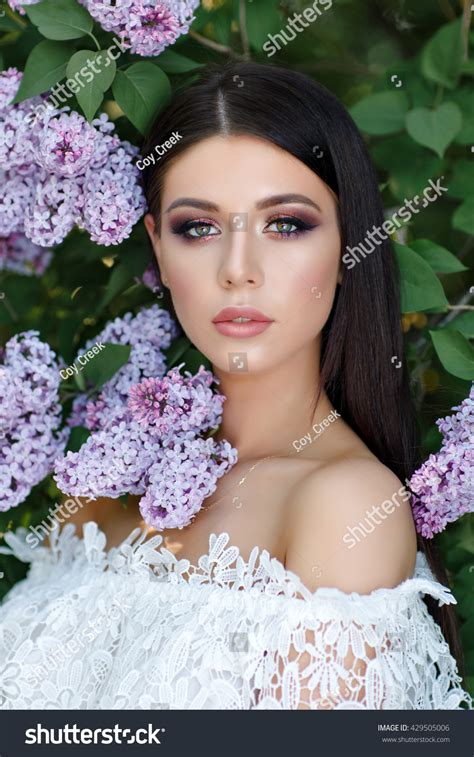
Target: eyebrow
x,y
282,199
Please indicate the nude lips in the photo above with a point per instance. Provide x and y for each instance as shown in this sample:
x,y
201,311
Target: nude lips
x,y
256,322
242,330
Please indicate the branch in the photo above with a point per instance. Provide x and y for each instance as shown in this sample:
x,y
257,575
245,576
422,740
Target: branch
x,y
243,28
210,43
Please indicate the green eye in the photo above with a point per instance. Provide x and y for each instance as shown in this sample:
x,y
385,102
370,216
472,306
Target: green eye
x,y
201,229
284,227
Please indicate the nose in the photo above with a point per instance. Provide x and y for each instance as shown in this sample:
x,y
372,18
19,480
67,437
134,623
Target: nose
x,y
240,265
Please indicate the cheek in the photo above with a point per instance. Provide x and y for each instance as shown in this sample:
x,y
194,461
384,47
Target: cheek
x,y
307,283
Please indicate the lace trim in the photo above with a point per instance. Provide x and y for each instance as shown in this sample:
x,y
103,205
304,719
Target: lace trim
x,y
221,566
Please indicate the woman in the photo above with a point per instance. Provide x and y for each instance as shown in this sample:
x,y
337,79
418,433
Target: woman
x,y
284,591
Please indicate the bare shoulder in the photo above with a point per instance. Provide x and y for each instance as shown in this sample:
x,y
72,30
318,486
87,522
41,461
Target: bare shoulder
x,y
350,526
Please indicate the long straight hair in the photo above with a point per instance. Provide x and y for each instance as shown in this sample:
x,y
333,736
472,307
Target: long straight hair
x,y
363,332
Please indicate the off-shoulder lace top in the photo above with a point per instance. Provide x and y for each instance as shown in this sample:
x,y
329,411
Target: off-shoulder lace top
x,y
135,627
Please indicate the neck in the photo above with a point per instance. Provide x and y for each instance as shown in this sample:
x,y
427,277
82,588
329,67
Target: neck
x,y
266,411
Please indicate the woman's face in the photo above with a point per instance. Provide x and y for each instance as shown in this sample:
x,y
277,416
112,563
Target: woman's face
x,y
244,223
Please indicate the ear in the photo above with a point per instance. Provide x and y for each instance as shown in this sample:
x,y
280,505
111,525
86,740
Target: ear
x,y
149,222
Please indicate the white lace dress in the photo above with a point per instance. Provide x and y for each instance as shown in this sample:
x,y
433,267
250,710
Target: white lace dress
x,y
136,628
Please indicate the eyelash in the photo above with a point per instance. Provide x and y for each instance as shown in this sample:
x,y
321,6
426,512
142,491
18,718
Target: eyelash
x,y
301,227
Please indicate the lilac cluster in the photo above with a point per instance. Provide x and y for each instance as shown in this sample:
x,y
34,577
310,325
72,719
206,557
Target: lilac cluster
x,y
148,333
30,417
19,255
180,480
58,171
173,405
146,27
443,486
152,444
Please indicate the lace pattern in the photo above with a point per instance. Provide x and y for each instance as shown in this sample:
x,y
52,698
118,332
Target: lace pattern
x,y
135,627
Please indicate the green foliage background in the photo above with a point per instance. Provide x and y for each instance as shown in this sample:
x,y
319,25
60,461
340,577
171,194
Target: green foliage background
x,y
402,67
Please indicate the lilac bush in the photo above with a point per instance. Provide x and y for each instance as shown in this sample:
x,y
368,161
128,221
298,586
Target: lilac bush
x,y
443,486
30,416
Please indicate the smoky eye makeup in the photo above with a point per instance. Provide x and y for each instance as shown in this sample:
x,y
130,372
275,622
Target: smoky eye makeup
x,y
279,225
196,228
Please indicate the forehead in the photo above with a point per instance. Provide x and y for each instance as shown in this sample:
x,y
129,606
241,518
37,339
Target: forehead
x,y
243,166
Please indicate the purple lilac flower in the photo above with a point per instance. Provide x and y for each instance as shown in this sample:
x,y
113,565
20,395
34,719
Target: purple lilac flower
x,y
148,333
16,194
181,479
30,417
53,210
150,279
177,404
443,487
111,462
66,145
19,255
147,27
112,204
58,171
9,83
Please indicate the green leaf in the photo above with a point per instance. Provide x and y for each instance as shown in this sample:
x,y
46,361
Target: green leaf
x,y
455,353
80,380
464,323
90,93
77,437
141,91
45,67
439,258
420,289
176,350
463,218
175,63
409,165
436,128
463,98
60,19
103,366
133,262
461,184
442,57
118,282
193,359
381,113
8,24
262,19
